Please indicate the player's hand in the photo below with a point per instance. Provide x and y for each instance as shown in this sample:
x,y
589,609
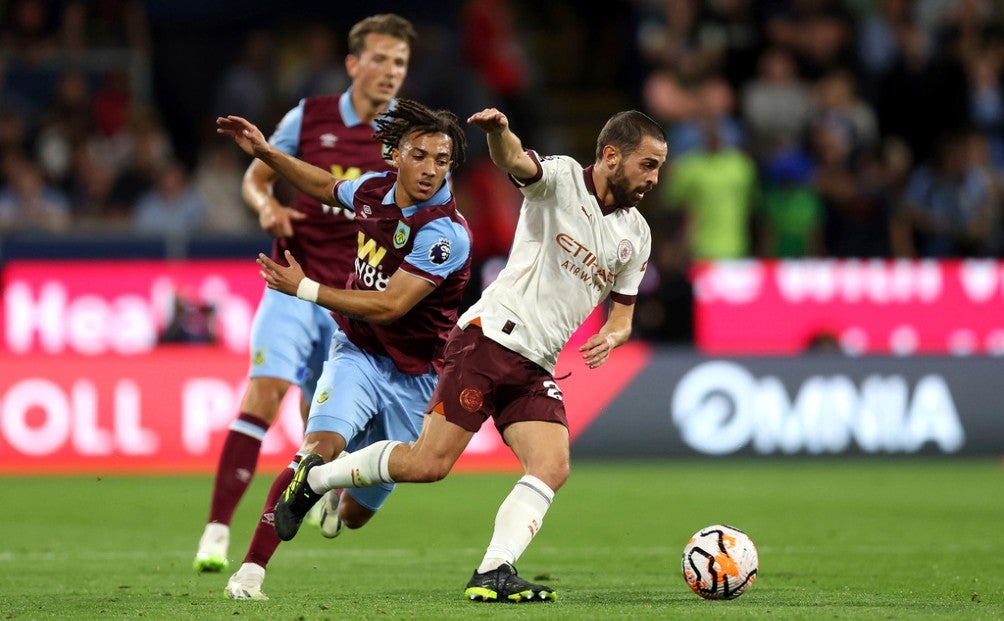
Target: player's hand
x,y
282,279
248,137
597,349
489,120
277,220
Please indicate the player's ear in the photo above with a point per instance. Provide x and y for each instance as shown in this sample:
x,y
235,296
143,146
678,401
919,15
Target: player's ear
x,y
395,157
351,62
611,156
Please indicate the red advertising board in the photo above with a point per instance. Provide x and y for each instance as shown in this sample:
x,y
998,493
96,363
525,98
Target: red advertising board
x,y
169,410
120,307
84,386
867,307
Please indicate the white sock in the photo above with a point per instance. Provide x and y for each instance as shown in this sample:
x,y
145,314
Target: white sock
x,y
252,573
517,521
363,468
215,531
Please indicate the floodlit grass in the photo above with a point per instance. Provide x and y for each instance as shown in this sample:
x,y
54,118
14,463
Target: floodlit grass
x,y
838,539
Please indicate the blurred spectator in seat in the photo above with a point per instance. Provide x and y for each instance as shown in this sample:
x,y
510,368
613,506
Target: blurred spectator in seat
x,y
896,164
688,110
790,224
985,96
716,188
112,104
317,66
91,198
861,219
878,38
923,95
14,137
27,203
29,29
104,24
674,37
949,203
136,154
218,178
776,105
847,117
171,206
819,32
735,27
65,125
981,164
491,45
247,87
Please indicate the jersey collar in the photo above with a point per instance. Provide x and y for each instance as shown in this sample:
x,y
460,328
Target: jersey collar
x,y
441,197
349,115
587,176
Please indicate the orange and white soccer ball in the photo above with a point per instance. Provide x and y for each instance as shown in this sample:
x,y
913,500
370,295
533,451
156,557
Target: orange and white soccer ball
x,y
720,562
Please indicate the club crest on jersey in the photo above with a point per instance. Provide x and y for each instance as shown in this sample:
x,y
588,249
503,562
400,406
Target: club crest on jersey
x,y
401,234
440,251
624,251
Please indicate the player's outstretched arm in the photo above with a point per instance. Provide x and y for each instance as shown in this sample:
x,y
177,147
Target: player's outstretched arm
x,y
257,189
309,179
402,293
504,147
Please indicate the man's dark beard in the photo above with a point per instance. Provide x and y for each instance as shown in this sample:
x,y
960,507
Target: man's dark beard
x,y
620,189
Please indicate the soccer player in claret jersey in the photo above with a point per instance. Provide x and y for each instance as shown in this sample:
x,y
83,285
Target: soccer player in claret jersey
x,y
579,241
334,132
396,310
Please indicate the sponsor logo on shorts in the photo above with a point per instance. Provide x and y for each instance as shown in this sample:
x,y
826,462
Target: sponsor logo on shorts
x,y
471,399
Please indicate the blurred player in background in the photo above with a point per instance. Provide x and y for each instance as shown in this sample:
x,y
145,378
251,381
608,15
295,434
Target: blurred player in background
x,y
579,241
290,337
394,313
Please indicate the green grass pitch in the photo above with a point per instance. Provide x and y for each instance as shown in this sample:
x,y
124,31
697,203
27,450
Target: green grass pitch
x,y
838,539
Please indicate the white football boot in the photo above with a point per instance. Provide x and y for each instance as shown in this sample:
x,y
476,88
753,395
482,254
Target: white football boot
x,y
212,554
246,583
330,523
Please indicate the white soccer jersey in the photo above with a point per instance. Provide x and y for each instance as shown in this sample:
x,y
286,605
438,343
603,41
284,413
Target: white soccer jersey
x,y
566,258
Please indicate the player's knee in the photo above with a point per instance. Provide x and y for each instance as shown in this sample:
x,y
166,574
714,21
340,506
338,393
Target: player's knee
x,y
554,475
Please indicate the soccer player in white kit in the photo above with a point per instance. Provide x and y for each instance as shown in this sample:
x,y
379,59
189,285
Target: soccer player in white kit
x,y
579,241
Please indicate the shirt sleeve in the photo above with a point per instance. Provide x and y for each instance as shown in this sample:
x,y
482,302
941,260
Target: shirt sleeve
x,y
629,279
286,136
345,190
441,247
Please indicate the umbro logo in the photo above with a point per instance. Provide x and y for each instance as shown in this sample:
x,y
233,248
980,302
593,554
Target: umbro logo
x,y
328,140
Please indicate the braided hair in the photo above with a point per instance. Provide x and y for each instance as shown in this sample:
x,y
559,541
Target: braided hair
x,y
410,117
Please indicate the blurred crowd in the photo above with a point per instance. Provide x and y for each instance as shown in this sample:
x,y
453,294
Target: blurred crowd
x,y
797,128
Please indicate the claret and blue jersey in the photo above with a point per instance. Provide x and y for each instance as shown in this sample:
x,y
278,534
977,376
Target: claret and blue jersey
x,y
430,240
